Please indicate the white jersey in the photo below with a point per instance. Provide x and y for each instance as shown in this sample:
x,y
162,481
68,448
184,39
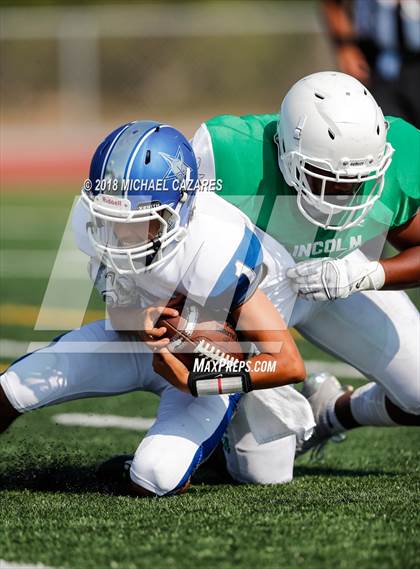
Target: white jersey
x,y
221,262
203,150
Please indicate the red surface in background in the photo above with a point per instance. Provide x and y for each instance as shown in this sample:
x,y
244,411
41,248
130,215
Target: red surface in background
x,y
44,171
34,156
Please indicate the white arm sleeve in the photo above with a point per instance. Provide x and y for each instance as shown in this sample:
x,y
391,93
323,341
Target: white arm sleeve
x,y
203,149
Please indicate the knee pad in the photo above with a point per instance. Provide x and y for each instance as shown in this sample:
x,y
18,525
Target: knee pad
x,y
368,406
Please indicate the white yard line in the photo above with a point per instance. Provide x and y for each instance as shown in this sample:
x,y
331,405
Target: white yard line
x,y
101,421
12,565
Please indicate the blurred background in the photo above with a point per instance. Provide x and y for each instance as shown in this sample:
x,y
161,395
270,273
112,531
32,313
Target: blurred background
x,y
72,72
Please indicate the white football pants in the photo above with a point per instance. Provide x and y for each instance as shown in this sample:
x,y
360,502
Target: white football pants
x,y
377,332
94,361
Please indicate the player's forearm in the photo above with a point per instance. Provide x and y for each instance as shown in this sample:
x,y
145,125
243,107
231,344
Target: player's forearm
x,y
260,372
277,369
262,325
403,270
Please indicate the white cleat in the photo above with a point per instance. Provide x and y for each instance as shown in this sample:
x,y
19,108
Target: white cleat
x,y
322,391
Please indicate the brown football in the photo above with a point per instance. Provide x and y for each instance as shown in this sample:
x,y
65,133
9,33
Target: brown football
x,y
195,334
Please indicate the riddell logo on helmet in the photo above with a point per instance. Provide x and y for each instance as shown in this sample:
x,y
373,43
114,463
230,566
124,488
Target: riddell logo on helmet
x,y
111,201
119,203
357,162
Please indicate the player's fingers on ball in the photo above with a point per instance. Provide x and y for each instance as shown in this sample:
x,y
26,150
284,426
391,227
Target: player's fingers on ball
x,y
157,312
152,315
157,344
166,311
155,332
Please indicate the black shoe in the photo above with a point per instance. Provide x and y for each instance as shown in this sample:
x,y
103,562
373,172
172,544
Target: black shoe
x,y
116,469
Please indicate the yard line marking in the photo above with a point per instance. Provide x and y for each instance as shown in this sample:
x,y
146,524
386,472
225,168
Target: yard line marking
x,y
11,565
103,421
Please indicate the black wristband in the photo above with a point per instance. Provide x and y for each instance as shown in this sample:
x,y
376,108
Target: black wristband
x,y
219,383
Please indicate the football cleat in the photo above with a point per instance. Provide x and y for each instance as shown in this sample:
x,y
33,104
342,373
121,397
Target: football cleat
x,y
322,391
116,469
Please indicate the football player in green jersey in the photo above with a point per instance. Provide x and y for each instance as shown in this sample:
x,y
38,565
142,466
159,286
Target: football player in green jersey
x,y
332,179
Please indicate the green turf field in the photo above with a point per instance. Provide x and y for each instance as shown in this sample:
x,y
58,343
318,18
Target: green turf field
x,y
356,508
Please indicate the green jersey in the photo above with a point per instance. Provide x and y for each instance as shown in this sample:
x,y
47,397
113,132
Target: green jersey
x,y
244,158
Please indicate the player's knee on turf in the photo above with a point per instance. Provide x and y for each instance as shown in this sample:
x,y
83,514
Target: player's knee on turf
x,y
141,491
158,475
156,479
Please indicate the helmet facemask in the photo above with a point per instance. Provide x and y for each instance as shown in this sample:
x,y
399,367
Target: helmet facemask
x,y
330,198
133,241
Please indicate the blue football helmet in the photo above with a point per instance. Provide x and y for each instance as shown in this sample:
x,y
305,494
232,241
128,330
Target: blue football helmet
x,y
140,194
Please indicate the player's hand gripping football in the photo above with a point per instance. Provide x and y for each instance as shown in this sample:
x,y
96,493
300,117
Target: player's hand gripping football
x,y
330,279
164,363
151,334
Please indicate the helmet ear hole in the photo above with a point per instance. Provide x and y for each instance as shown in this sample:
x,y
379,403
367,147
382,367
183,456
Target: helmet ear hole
x,y
331,134
378,130
283,146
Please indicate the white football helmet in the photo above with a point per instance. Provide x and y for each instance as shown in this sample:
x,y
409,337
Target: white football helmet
x,y
331,139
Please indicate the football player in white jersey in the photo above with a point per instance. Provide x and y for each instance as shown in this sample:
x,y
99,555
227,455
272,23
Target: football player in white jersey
x,y
149,235
324,177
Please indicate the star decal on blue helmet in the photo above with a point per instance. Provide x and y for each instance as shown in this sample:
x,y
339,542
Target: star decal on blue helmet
x,y
177,167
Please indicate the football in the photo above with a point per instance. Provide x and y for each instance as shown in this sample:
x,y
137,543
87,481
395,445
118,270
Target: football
x,y
196,334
